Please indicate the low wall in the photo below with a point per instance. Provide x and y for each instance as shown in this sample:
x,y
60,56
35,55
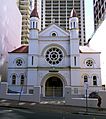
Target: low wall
x,y
102,94
82,102
35,97
70,100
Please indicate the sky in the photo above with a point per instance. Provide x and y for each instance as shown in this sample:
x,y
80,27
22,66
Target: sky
x,y
89,21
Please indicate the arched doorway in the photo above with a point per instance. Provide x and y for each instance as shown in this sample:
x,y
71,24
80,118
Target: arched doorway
x,y
53,87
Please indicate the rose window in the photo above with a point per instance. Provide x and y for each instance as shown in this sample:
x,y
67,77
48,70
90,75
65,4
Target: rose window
x,y
89,63
54,56
19,62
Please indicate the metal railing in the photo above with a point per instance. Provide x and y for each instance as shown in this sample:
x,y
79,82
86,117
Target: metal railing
x,y
54,91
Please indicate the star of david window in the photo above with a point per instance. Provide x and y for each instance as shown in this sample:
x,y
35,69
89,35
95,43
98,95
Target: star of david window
x,y
89,63
54,56
19,62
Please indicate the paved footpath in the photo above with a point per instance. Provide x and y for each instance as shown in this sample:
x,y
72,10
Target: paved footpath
x,y
57,106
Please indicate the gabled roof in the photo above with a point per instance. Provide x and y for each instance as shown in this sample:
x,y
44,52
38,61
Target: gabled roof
x,y
55,26
21,49
73,13
86,49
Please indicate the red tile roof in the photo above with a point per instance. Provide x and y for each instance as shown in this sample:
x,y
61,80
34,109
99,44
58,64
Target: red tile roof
x,y
22,49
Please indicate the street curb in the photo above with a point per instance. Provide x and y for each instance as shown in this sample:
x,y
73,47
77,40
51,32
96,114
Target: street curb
x,y
91,113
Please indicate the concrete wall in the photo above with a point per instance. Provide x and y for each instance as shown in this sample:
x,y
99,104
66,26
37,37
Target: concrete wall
x,y
103,96
76,101
73,100
35,97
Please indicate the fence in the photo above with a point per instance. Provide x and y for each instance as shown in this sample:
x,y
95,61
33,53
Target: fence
x,y
54,91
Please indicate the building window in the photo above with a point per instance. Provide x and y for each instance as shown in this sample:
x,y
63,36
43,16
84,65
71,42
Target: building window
x,y
75,61
74,24
36,25
89,63
85,78
54,56
33,24
19,62
32,60
13,79
75,90
94,80
71,25
31,91
53,34
22,80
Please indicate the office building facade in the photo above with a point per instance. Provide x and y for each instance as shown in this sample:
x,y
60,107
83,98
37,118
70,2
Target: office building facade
x,y
24,7
99,12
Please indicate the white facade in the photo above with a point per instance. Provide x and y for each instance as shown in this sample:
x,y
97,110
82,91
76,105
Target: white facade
x,y
10,31
52,61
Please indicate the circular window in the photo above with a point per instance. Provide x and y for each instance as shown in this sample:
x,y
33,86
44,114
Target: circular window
x,y
54,56
54,34
19,62
89,63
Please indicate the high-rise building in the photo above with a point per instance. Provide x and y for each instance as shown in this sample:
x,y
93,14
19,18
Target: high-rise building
x,y
24,7
99,12
59,11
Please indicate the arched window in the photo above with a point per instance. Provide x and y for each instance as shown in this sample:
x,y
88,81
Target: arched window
x,y
75,62
74,24
32,59
85,78
36,25
22,79
94,80
13,79
33,24
71,25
